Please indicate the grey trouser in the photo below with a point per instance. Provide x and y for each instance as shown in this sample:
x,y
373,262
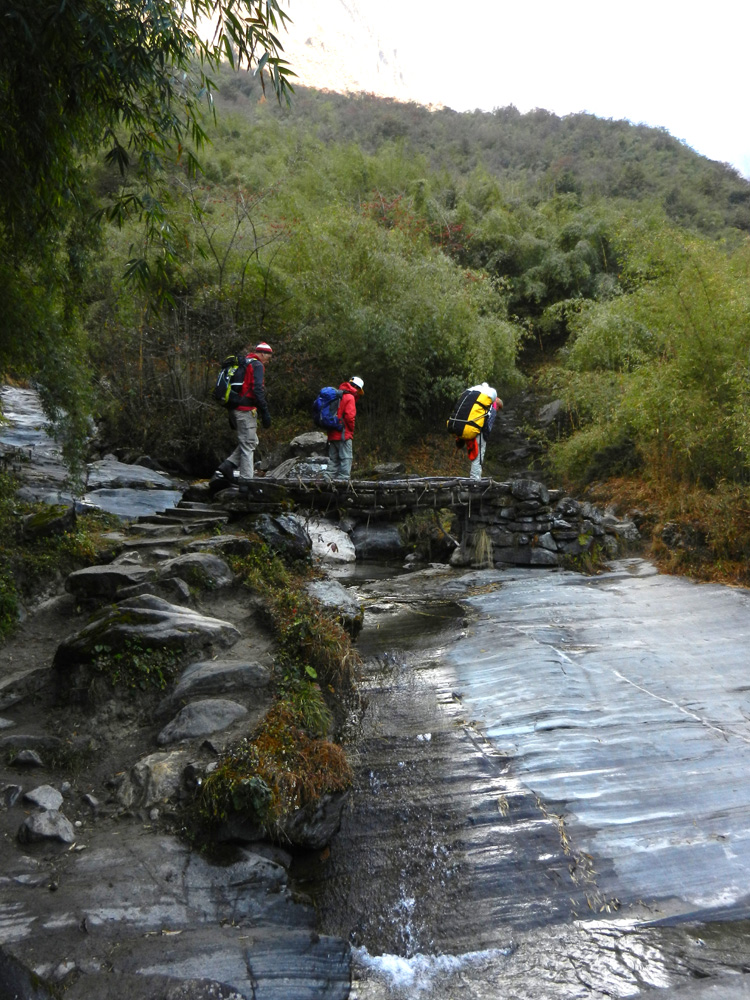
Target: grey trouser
x,y
475,470
340,455
247,442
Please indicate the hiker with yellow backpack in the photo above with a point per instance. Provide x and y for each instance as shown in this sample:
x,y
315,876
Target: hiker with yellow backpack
x,y
472,420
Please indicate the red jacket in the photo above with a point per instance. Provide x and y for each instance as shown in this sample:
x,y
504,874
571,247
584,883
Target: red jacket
x,y
347,412
254,387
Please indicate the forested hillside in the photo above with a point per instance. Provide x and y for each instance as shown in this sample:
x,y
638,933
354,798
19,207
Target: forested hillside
x,y
578,153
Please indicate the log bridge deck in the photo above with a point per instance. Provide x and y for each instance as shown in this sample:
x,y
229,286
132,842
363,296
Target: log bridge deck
x,y
383,499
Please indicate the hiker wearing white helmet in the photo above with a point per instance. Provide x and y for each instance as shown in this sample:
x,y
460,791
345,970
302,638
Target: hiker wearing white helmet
x,y
476,448
472,420
245,418
340,448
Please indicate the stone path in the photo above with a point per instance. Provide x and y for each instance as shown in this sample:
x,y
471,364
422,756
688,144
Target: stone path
x,y
102,894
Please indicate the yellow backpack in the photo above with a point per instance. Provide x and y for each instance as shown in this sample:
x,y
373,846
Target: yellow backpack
x,y
469,415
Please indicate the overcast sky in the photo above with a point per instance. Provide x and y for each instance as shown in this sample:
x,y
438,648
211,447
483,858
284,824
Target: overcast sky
x,y
681,66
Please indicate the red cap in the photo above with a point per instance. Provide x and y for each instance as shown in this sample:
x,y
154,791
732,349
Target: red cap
x,y
263,348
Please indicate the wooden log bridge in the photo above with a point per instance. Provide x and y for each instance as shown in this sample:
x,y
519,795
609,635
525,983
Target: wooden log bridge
x,y
393,498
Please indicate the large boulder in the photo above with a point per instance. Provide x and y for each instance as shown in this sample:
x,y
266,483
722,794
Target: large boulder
x,y
105,582
156,781
301,447
310,443
201,718
199,569
338,602
309,829
378,541
284,534
138,628
330,543
218,677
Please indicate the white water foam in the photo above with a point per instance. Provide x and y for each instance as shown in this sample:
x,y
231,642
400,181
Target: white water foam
x,y
418,973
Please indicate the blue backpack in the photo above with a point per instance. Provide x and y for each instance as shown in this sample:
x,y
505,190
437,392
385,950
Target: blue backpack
x,y
325,409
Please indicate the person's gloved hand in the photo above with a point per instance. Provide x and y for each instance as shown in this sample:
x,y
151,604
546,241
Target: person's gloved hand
x,y
460,442
266,421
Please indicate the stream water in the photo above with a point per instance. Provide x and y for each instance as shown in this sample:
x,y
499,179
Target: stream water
x,y
551,793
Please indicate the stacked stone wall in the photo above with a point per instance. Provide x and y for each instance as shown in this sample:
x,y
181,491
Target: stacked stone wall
x,y
529,525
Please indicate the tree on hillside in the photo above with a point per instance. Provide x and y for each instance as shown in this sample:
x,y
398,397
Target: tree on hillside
x,y
128,78
118,80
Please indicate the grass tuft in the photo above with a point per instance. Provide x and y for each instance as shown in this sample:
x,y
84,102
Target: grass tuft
x,y
281,769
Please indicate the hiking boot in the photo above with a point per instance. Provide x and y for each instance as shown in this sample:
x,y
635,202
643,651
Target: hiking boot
x,y
227,470
244,487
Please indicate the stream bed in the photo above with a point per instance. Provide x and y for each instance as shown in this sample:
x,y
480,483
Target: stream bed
x,y
551,792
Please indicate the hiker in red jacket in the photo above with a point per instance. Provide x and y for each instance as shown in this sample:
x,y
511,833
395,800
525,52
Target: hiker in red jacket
x,y
245,418
340,450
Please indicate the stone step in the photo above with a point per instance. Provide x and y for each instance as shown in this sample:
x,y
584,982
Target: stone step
x,y
154,542
195,505
188,524
183,513
158,530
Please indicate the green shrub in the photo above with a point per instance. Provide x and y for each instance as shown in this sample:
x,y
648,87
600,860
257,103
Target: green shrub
x,y
137,667
676,349
597,452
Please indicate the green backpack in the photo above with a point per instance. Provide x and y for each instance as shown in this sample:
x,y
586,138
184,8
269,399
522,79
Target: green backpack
x,y
229,381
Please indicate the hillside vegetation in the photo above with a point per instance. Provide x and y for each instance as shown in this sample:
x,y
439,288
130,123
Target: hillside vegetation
x,y
601,263
579,153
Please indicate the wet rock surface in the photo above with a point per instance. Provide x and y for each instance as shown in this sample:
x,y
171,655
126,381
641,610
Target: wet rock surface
x,y
513,831
111,485
141,914
625,705
528,823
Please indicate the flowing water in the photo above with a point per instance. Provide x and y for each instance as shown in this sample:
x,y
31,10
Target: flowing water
x,y
551,796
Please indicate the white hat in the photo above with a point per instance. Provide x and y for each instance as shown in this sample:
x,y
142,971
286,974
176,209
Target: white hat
x,y
356,380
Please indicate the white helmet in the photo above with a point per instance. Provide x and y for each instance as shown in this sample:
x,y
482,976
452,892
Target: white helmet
x,y
486,390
